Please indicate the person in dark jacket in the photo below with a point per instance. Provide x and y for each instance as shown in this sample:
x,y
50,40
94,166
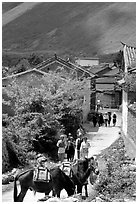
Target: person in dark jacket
x,y
114,118
109,118
94,120
101,120
70,149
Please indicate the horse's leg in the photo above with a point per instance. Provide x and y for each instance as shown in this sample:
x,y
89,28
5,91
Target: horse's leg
x,y
86,190
58,193
53,193
22,194
79,189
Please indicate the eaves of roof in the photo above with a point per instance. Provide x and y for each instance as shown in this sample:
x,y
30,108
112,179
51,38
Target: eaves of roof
x,y
133,70
88,58
23,73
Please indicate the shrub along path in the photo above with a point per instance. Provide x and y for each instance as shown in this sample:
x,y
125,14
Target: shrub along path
x,y
117,179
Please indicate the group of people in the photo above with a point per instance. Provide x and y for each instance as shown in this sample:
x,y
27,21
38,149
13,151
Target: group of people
x,y
105,119
73,149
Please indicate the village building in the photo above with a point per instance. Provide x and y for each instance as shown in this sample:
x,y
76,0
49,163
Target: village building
x,y
87,61
129,101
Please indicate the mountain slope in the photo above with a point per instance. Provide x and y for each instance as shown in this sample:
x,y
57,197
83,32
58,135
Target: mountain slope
x,y
89,28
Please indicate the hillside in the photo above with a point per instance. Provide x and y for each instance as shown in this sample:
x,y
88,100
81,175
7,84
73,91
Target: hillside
x,y
77,28
9,5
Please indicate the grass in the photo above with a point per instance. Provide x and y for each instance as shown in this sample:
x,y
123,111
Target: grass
x,y
6,6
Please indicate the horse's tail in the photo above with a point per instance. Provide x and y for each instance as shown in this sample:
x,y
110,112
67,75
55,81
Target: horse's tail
x,y
15,189
15,197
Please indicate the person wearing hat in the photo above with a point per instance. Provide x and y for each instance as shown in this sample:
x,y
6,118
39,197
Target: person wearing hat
x,y
84,149
41,160
61,144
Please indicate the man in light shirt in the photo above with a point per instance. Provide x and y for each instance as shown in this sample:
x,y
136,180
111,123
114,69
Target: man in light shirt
x,y
84,149
61,144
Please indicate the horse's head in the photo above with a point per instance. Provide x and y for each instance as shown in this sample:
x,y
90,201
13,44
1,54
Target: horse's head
x,y
93,164
83,168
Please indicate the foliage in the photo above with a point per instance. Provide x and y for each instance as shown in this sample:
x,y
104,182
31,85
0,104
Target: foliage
x,y
22,65
118,59
118,178
91,114
40,104
9,60
130,82
17,63
12,154
35,59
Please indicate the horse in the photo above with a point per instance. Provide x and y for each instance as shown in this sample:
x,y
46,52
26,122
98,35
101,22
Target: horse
x,y
81,170
59,180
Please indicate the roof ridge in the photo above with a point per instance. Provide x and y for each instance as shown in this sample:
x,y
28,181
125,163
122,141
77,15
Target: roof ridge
x,y
21,73
69,64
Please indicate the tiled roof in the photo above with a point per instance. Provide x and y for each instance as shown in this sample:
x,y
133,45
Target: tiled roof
x,y
106,80
23,73
88,58
104,87
96,69
129,53
112,72
65,63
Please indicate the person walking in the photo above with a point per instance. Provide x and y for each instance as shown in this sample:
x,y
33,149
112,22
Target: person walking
x,y
109,118
70,149
114,118
77,147
106,118
101,120
84,149
94,120
61,148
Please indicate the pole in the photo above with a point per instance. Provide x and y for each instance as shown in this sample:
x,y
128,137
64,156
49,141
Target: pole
x,y
125,97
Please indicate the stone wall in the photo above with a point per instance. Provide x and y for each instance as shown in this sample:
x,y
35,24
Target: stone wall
x,y
130,138
132,125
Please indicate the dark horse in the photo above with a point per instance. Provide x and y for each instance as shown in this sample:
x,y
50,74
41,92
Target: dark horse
x,y
81,170
59,180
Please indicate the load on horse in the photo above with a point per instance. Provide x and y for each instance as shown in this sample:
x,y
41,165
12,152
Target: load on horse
x,y
58,180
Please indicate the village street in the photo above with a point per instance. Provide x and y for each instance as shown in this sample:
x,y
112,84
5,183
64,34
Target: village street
x,y
99,138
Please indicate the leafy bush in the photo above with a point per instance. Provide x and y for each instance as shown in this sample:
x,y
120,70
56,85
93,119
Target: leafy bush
x,y
12,154
117,179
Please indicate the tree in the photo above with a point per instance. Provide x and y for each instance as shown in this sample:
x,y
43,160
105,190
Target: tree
x,y
35,60
22,65
118,60
40,104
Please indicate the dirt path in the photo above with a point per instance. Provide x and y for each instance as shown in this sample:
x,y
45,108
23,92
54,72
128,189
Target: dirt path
x,y
101,138
17,11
